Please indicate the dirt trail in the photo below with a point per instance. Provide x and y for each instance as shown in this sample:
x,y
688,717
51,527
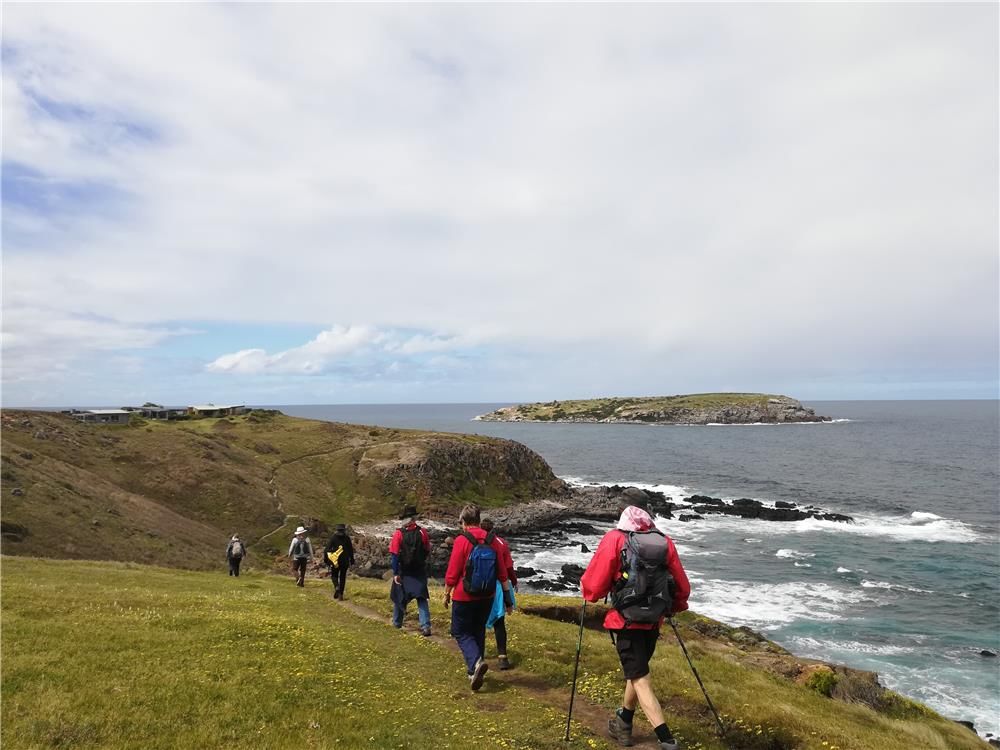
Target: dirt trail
x,y
274,490
585,712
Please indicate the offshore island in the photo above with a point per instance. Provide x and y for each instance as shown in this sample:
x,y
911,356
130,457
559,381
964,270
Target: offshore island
x,y
690,409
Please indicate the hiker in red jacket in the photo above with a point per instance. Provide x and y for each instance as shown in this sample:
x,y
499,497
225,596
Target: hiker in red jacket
x,y
475,563
409,549
636,640
499,622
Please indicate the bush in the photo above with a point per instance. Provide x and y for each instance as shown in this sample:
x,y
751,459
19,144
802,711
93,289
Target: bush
x,y
823,681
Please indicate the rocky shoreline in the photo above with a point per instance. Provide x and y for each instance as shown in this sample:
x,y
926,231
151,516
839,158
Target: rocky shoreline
x,y
566,510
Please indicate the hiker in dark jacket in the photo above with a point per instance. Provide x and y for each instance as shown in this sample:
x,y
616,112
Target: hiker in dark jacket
x,y
338,555
635,641
497,621
300,550
470,610
236,550
408,551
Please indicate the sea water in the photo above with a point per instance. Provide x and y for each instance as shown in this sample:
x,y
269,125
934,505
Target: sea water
x,y
910,590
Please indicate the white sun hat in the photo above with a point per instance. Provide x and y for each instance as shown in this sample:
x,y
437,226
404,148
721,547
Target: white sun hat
x,y
300,530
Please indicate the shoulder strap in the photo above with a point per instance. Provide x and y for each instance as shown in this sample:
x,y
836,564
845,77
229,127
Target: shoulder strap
x,y
472,540
489,538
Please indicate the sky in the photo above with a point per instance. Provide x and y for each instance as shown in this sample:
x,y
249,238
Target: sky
x,y
318,203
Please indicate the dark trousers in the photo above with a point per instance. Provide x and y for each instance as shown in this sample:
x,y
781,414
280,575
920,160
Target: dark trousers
x,y
500,630
338,577
234,566
299,568
468,627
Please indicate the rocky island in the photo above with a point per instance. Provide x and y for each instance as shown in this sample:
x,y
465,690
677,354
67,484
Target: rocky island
x,y
698,408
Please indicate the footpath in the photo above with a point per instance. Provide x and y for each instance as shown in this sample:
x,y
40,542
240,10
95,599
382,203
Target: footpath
x,y
585,712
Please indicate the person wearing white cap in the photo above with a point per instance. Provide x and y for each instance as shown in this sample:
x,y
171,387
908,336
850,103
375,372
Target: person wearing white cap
x,y
234,554
300,551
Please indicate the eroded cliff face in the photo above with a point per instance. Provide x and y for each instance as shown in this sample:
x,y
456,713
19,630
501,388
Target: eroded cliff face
x,y
775,410
445,473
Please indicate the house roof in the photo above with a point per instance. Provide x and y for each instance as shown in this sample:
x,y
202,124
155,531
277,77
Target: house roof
x,y
105,411
212,407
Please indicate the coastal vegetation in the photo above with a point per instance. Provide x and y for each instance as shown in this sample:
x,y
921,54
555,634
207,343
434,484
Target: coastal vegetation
x,y
117,655
168,493
698,408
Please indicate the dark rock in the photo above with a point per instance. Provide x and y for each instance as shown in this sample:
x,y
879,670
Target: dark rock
x,y
17,492
705,499
576,527
783,504
988,654
689,517
572,573
525,572
636,497
746,502
370,571
28,455
968,725
993,741
840,517
584,548
13,532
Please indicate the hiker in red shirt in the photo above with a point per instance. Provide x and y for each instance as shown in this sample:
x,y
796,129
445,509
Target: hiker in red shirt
x,y
474,568
499,622
636,640
408,552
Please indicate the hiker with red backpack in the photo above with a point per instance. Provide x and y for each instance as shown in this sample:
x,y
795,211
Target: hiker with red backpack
x,y
409,549
638,566
497,621
236,550
470,586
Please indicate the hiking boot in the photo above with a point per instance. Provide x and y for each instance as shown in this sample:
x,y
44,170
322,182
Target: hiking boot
x,y
669,745
621,731
502,663
425,632
476,678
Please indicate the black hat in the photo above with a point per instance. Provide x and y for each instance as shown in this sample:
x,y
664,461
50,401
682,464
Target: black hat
x,y
409,511
341,527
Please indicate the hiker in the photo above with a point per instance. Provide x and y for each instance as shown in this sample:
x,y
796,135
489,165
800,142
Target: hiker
x,y
408,551
638,610
470,582
300,550
338,555
235,552
496,621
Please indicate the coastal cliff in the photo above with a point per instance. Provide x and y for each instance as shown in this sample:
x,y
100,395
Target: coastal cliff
x,y
695,409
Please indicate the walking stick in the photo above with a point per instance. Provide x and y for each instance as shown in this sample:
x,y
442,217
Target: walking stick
x,y
576,668
722,729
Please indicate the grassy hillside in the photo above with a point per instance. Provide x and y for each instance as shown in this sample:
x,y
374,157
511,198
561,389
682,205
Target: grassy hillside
x,y
172,492
112,655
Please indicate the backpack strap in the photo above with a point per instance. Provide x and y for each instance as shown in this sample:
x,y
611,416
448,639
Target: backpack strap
x,y
472,540
489,539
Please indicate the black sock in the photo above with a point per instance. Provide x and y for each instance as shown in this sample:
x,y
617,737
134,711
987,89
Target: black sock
x,y
663,733
625,715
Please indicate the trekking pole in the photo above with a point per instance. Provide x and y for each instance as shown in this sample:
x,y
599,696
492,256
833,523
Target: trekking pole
x,y
576,668
722,729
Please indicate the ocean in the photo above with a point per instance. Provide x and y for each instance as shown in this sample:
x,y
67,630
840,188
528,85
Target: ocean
x,y
911,590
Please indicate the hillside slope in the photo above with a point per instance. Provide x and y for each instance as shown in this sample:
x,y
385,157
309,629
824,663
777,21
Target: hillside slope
x,y
171,493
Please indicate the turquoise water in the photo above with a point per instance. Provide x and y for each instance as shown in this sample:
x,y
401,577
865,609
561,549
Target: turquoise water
x,y
909,591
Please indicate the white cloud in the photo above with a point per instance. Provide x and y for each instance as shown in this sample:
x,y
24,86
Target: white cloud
x,y
812,186
340,345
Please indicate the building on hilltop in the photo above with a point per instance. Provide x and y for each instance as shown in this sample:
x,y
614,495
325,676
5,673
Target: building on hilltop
x,y
102,416
211,410
155,411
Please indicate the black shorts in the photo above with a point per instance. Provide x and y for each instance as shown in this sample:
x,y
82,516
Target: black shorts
x,y
635,649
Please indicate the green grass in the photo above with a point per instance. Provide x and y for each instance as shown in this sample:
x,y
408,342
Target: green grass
x,y
105,655
118,655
